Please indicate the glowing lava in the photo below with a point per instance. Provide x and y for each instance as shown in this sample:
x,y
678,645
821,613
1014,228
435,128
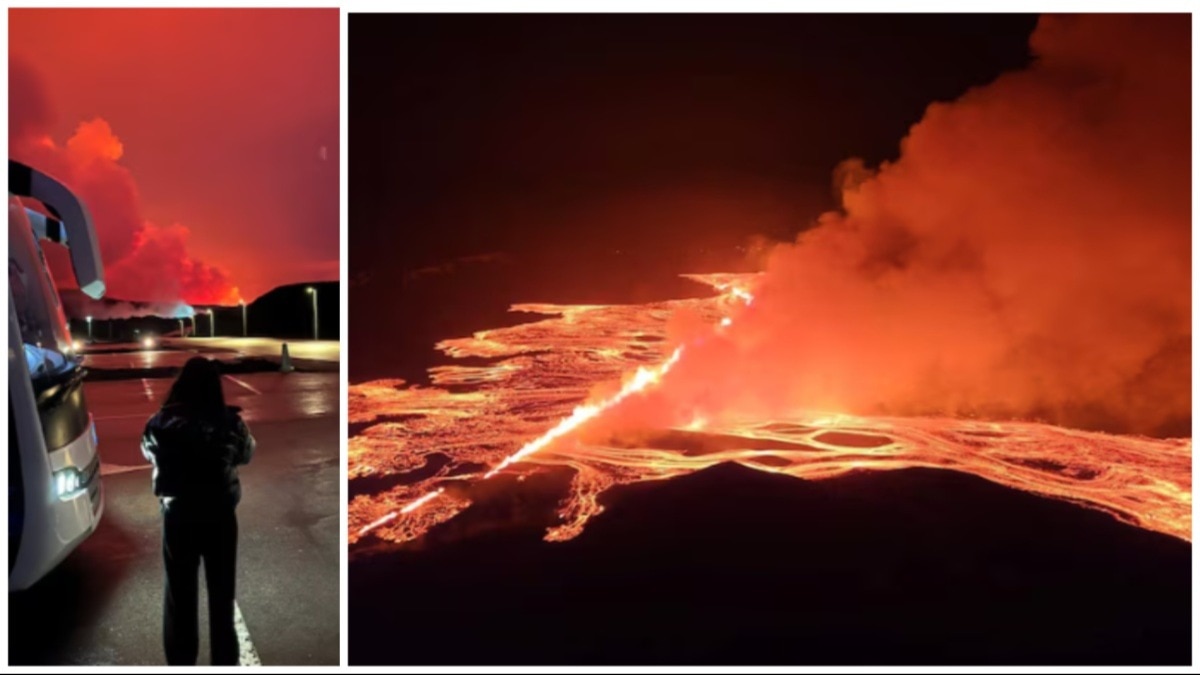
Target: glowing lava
x,y
528,411
644,378
416,504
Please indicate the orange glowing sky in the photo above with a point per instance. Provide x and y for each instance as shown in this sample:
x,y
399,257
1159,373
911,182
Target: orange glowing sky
x,y
227,121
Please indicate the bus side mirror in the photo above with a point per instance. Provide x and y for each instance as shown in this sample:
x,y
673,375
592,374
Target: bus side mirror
x,y
71,224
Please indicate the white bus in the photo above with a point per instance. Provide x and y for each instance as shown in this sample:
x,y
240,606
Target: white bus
x,y
55,497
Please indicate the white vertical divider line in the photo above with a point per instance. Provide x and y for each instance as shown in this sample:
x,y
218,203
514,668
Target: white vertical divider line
x,y
343,331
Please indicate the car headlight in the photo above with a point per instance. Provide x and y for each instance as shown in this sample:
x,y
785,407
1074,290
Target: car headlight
x,y
67,483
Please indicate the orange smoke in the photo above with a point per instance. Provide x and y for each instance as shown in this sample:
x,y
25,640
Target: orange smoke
x,y
1028,256
143,261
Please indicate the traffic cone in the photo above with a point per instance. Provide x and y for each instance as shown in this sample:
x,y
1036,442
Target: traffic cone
x,y
285,363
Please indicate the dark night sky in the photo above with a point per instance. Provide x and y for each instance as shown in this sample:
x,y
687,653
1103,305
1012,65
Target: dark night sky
x,y
602,154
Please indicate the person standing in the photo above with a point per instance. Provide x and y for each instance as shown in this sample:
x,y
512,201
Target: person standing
x,y
195,443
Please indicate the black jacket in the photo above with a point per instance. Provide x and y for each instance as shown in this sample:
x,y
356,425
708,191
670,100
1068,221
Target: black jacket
x,y
195,459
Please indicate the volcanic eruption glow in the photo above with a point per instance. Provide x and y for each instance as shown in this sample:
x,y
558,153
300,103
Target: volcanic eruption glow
x,y
1009,298
475,416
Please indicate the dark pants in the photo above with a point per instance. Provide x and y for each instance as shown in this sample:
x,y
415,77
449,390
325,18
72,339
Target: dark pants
x,y
192,533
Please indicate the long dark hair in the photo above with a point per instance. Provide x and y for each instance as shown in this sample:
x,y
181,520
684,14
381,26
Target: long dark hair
x,y
197,390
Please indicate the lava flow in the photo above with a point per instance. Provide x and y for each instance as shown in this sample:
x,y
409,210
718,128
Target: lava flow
x,y
527,411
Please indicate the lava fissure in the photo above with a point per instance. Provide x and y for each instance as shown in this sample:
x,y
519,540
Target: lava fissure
x,y
553,372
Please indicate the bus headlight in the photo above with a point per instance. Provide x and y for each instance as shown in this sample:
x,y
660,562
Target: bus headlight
x,y
68,482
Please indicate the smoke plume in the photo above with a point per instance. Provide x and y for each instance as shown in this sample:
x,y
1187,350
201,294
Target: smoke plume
x,y
143,260
1027,256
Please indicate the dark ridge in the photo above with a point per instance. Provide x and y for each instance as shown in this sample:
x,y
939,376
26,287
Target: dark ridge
x,y
736,566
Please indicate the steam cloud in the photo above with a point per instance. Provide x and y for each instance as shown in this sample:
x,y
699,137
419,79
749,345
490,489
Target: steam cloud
x,y
1028,255
77,305
143,260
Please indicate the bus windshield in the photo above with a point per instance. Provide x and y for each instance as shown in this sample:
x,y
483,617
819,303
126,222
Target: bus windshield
x,y
49,350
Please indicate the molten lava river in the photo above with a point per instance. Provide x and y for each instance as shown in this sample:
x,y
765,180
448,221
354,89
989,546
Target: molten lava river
x,y
534,391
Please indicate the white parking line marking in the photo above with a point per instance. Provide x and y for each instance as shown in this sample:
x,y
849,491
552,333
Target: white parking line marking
x,y
237,381
146,388
248,655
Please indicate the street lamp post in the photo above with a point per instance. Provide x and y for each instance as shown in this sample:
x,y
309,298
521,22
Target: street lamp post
x,y
313,292
181,333
243,304
212,325
89,320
